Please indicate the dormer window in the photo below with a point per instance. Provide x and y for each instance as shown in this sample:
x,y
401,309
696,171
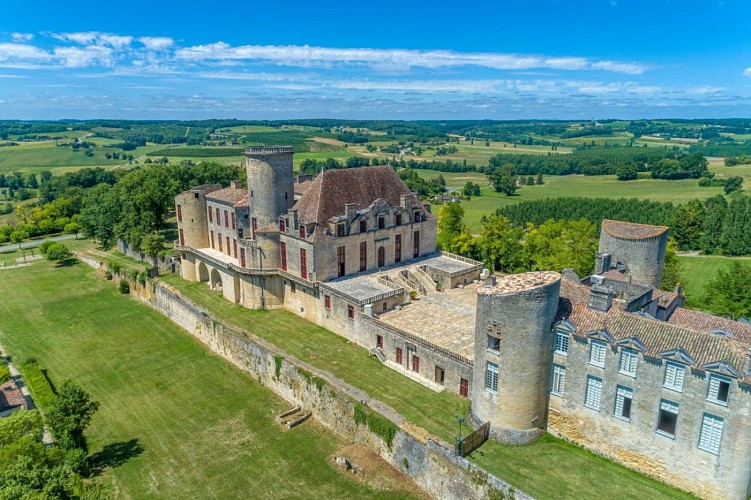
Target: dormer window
x,y
381,222
363,226
398,219
417,216
340,229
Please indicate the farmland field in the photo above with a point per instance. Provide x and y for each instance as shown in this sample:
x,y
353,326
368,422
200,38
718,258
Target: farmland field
x,y
698,270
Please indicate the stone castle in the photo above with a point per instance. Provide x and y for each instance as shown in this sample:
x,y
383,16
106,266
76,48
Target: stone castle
x,y
608,361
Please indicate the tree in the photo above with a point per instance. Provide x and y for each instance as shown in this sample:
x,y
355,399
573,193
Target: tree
x,y
559,244
540,180
18,236
69,415
729,293
469,189
58,252
450,223
503,179
500,244
626,172
530,181
671,270
733,184
152,244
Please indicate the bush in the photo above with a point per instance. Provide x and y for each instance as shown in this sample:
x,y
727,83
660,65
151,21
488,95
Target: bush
x,y
124,286
114,266
44,247
108,275
4,373
39,385
58,252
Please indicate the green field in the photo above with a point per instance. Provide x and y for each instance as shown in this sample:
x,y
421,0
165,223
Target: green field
x,y
698,270
185,423
35,157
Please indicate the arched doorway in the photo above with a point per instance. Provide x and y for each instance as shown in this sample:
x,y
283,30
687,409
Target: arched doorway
x,y
216,280
203,272
381,256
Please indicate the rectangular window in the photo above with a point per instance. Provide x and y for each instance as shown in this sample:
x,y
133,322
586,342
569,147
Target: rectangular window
x,y
302,232
211,217
464,387
399,355
212,239
179,213
561,342
416,215
182,237
218,218
668,418
416,244
398,219
351,312
340,262
363,256
254,225
440,375
340,229
219,237
303,263
398,248
719,388
597,353
623,398
226,219
593,396
283,252
711,433
327,302
229,249
381,222
674,373
559,380
234,248
494,343
363,226
242,257
379,341
282,226
415,364
240,233
629,360
293,286
491,377
233,221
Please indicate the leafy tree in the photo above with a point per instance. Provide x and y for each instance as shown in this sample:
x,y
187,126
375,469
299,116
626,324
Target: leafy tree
x,y
503,179
500,244
58,252
69,415
558,244
688,224
18,236
152,244
729,293
627,172
530,181
540,181
671,271
450,224
733,184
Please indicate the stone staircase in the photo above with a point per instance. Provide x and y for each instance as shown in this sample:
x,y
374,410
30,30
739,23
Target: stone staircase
x,y
378,353
424,279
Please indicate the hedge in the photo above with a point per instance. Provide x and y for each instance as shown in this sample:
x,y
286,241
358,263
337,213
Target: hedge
x,y
36,380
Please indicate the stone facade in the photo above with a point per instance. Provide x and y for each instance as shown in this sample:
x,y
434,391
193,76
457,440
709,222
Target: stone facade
x,y
637,248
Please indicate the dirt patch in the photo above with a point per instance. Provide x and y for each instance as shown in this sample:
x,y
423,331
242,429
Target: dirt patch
x,y
369,468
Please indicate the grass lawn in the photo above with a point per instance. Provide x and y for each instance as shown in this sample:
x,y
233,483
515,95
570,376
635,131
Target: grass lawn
x,y
543,469
698,270
36,157
183,422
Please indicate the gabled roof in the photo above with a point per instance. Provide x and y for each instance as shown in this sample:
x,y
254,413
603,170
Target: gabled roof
x,y
332,189
231,196
631,230
704,322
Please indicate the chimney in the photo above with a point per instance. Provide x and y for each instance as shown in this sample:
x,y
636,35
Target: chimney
x,y
369,310
350,209
490,282
602,263
600,298
405,201
234,184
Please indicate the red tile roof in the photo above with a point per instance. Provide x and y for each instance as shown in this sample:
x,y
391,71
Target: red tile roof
x,y
234,197
332,189
616,275
11,396
631,230
665,298
704,322
301,187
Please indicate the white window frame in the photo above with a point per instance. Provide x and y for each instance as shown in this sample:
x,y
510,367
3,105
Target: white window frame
x,y
491,377
714,389
597,353
559,380
593,393
675,374
629,362
710,433
561,343
671,407
622,393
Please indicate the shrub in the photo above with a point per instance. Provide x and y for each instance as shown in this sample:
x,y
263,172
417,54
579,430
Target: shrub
x,y
4,373
58,252
377,423
124,286
44,247
39,385
108,275
142,278
114,266
277,366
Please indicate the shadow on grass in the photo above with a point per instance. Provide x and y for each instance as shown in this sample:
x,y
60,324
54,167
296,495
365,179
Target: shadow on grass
x,y
114,455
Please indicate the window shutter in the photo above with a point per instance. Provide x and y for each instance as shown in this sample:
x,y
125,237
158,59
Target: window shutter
x,y
669,406
711,433
594,392
714,387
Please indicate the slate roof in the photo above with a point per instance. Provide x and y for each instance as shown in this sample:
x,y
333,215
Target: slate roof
x,y
657,336
704,322
631,230
234,197
11,396
301,187
332,189
616,275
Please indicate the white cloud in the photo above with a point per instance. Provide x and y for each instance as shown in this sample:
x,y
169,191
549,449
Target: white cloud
x,y
747,72
95,38
75,57
304,55
157,42
22,37
21,51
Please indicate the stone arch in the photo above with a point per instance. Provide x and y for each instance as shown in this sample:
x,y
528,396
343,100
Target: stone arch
x,y
381,256
215,281
203,272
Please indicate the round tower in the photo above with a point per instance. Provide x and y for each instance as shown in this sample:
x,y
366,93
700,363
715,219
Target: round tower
x,y
638,248
270,182
512,359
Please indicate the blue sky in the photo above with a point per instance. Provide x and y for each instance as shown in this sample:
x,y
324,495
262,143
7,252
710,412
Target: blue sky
x,y
554,59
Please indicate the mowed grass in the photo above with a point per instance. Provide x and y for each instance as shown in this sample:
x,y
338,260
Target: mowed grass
x,y
203,428
47,156
699,270
549,468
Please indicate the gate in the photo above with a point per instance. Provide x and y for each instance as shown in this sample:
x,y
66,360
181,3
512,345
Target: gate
x,y
474,440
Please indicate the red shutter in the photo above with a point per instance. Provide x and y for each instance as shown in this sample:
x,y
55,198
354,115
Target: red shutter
x,y
463,387
182,238
283,251
242,257
233,221
179,213
234,245
399,355
212,239
303,263
211,217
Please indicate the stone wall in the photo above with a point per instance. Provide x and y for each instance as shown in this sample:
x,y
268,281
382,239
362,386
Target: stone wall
x,y
162,263
429,463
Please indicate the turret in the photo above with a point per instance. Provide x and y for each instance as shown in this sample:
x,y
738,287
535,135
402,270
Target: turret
x,y
270,182
636,249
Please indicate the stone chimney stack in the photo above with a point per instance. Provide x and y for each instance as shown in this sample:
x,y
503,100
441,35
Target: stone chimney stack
x,y
234,184
600,298
350,209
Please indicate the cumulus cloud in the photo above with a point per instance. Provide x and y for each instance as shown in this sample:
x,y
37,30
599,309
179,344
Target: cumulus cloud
x,y
304,55
747,72
22,52
95,38
77,57
157,42
22,37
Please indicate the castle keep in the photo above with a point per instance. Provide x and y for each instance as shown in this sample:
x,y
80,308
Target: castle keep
x,y
608,361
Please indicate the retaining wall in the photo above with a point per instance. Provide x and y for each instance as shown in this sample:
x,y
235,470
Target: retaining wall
x,y
429,463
